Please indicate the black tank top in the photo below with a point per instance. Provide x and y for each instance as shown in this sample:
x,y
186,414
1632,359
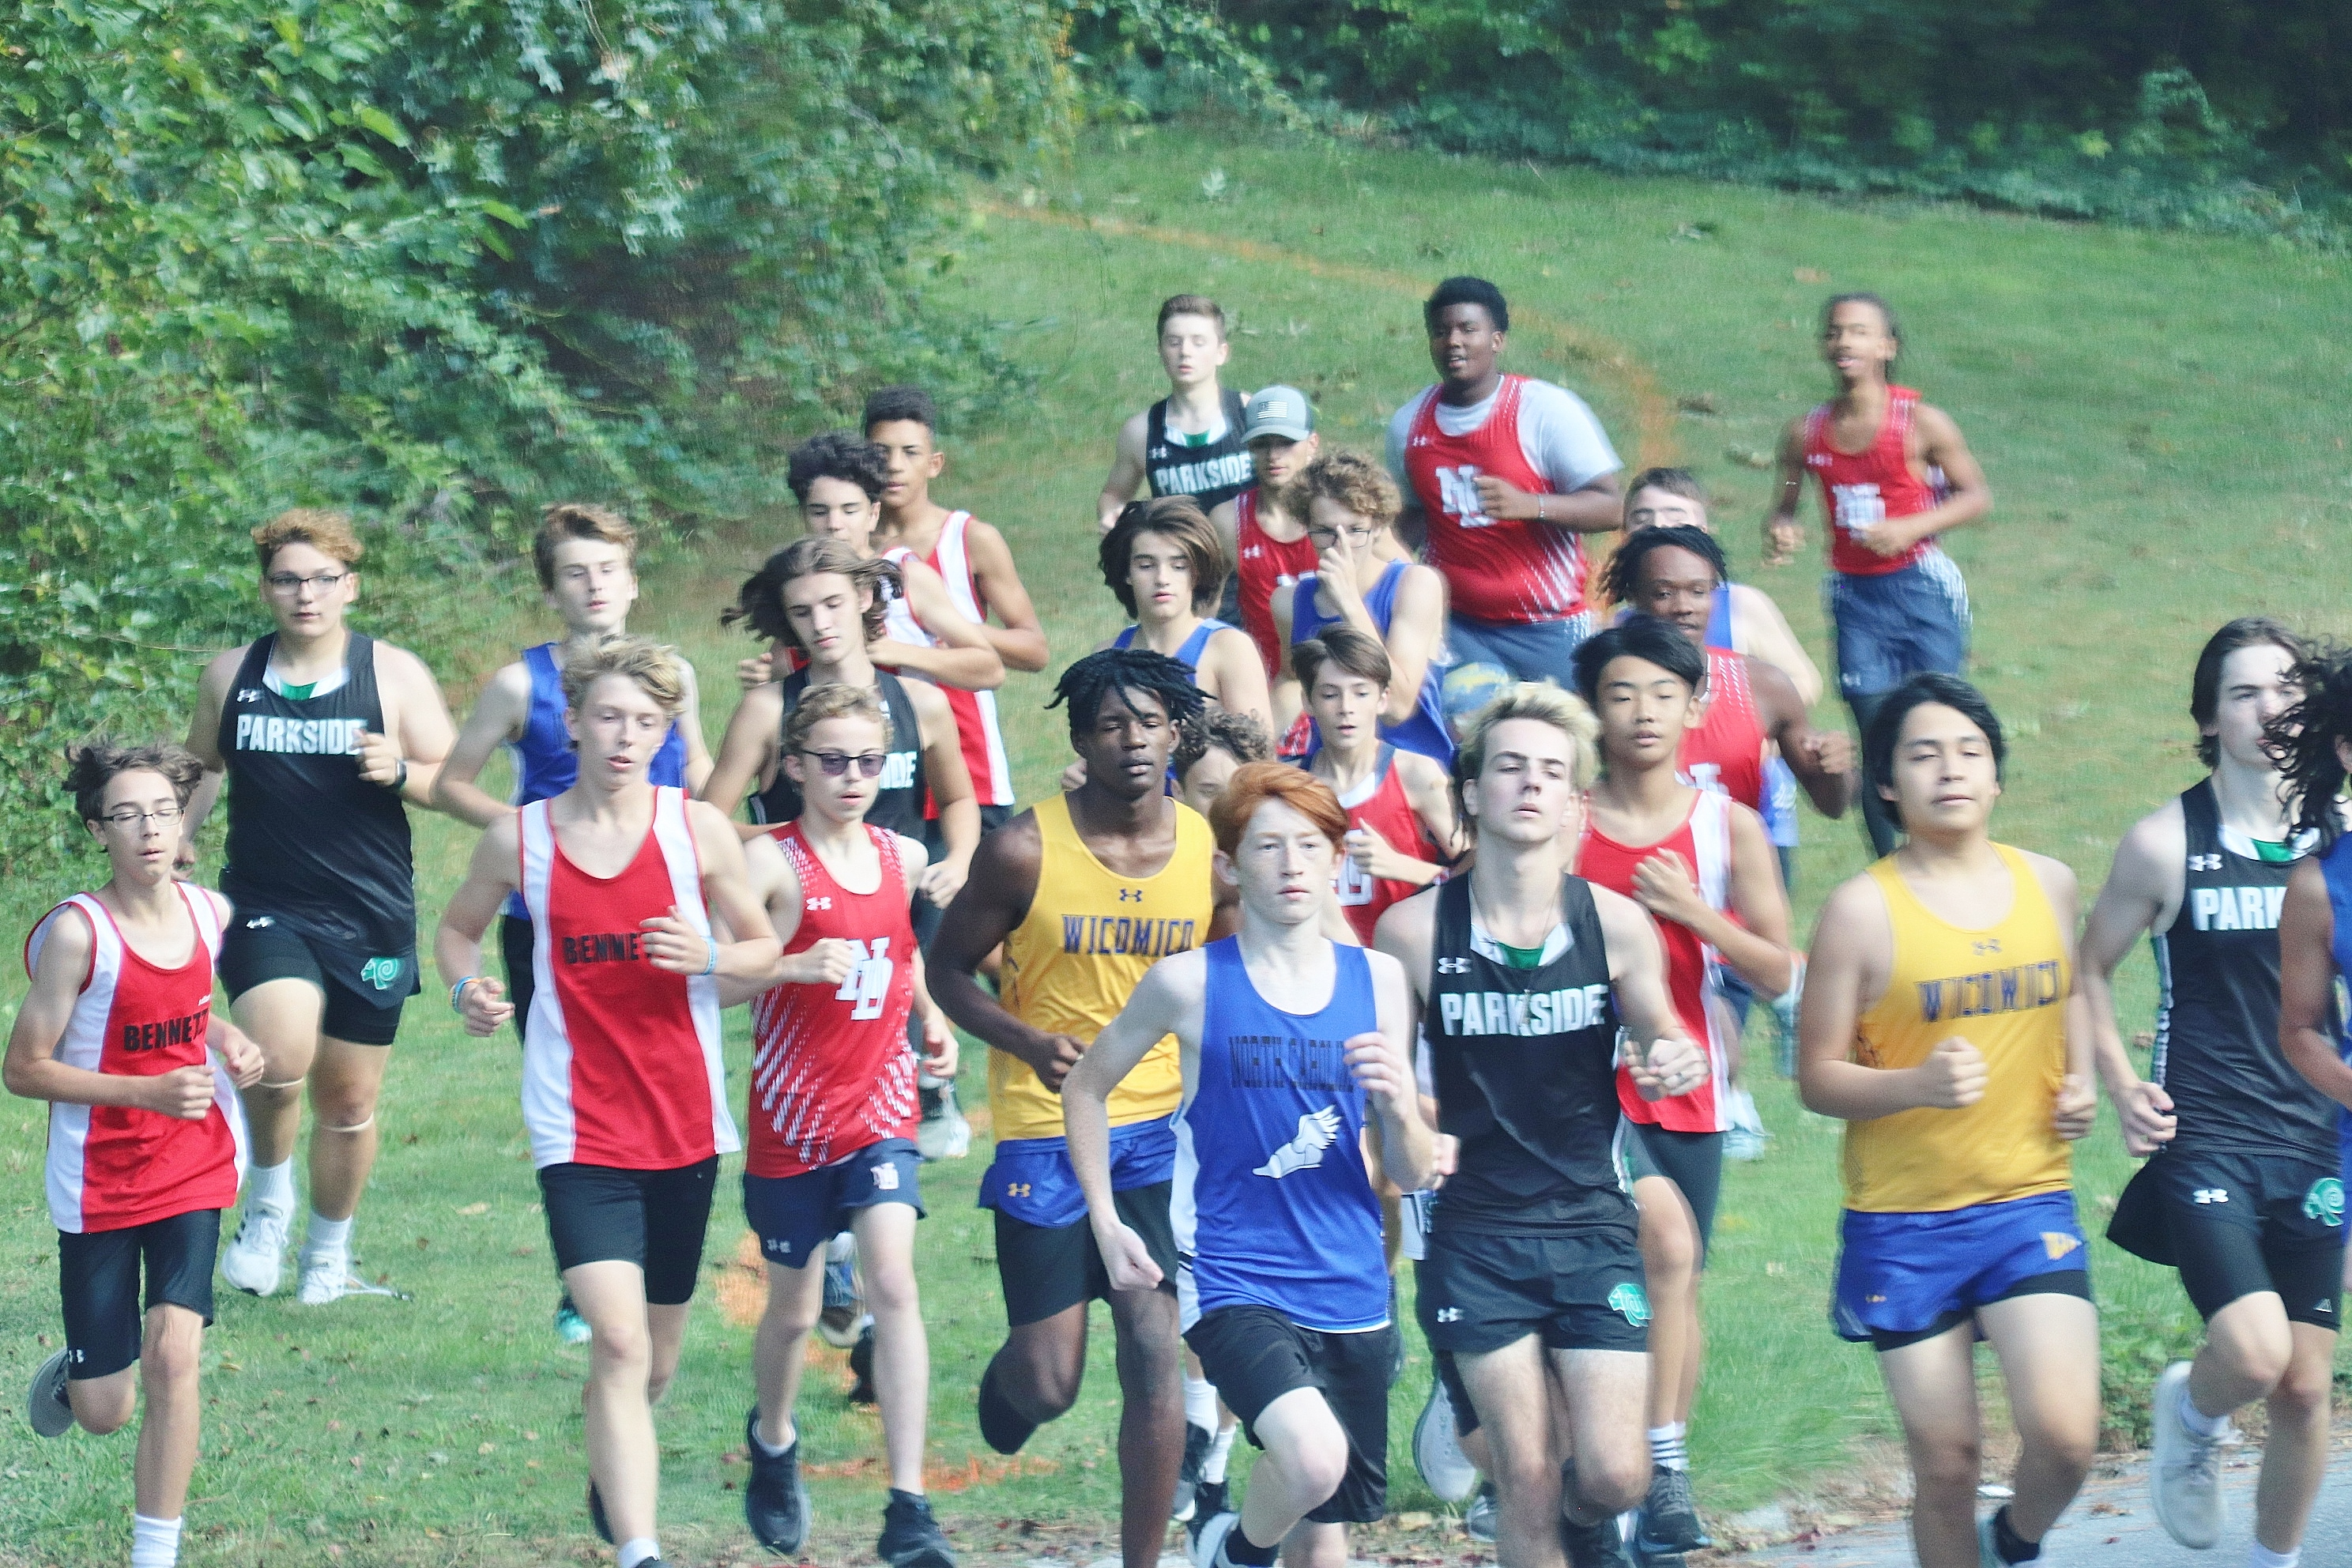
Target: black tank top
x,y
2217,1051
1212,473
899,805
310,842
1525,1064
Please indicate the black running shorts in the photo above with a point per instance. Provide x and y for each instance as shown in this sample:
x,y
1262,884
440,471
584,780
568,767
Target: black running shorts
x,y
1256,1355
655,1219
1691,1161
795,1216
1047,1270
259,948
98,1280
2235,1224
1579,1292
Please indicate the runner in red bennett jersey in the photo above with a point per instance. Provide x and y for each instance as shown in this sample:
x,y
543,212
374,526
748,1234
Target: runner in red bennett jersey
x,y
623,1094
146,1139
833,1112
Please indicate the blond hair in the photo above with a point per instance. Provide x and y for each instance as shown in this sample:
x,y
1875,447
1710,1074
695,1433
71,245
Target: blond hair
x,y
655,667
568,521
1348,480
1543,702
833,701
328,533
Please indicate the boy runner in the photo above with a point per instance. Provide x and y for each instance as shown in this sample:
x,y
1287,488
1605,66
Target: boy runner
x,y
623,1094
1502,474
1293,1059
586,557
1703,866
1210,749
1269,548
1401,833
1190,443
1165,564
1943,1020
1522,974
325,737
1741,618
1895,476
2223,1111
1084,891
145,1136
834,1112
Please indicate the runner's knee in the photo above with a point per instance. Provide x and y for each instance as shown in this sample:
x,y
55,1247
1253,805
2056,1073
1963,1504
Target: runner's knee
x,y
622,1349
1947,1462
171,1349
1319,1466
2303,1390
890,1288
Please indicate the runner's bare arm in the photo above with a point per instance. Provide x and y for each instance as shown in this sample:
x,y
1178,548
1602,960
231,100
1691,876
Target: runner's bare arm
x,y
1416,631
1936,442
31,1068
1383,1066
498,716
1170,998
689,725
1753,937
1125,472
1846,971
203,740
940,1047
1019,638
1823,760
745,751
1783,534
2077,1110
965,658
991,906
2143,889
951,781
2307,984
671,945
1231,673
1662,1057
1594,506
416,722
1761,631
493,873
772,881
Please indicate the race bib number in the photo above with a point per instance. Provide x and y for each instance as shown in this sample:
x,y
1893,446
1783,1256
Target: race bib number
x,y
1859,507
869,979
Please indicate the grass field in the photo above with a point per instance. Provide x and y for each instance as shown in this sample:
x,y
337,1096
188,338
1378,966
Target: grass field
x,y
2161,420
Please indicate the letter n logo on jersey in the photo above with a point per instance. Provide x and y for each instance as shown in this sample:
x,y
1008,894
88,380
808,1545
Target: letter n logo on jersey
x,y
869,979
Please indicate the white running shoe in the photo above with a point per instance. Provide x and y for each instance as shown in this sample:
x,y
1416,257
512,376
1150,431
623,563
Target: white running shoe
x,y
1438,1448
1208,1546
46,1405
2184,1474
255,1259
328,1277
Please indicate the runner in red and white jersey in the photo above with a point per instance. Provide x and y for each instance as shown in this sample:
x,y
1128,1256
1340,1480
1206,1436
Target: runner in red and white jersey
x,y
1725,752
623,1094
833,1112
1269,547
1505,474
146,1138
1703,868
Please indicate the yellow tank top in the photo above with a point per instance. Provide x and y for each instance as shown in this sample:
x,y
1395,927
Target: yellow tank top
x,y
2003,989
1071,965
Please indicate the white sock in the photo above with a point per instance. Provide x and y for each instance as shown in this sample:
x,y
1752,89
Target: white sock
x,y
1668,1447
155,1543
1200,1403
638,1549
272,1186
326,1236
2200,1424
2261,1556
1212,1468
773,1453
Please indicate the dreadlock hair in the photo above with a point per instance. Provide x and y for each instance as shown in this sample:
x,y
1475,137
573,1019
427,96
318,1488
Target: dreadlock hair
x,y
761,601
2305,741
1625,566
1220,729
2205,685
1126,670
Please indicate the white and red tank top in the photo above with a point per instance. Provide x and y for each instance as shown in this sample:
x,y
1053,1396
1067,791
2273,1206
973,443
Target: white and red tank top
x,y
984,756
114,1166
1380,803
1725,752
831,1073
1693,982
1496,570
1263,564
620,1059
1859,489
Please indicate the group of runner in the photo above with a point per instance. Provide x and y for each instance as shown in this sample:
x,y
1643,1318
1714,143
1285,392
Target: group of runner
x,y
1396,902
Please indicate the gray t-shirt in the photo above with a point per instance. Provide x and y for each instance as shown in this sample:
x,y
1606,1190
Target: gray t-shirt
x,y
1559,434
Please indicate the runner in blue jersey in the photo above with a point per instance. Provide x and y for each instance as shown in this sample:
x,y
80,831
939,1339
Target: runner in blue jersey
x,y
1294,1059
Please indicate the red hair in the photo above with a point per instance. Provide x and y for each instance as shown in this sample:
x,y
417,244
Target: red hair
x,y
1255,784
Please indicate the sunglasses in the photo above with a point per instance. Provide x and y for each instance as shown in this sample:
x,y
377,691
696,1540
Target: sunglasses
x,y
836,763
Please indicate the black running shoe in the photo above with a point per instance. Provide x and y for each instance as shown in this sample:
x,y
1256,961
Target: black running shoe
x,y
1669,1525
1003,1428
1207,1501
911,1538
861,1367
596,1516
1188,1477
1601,1545
775,1502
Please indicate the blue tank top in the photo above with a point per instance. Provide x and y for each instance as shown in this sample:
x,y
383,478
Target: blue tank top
x,y
2336,866
1779,811
1268,1154
1425,732
1188,656
545,764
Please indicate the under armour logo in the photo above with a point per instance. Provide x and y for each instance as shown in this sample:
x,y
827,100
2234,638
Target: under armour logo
x,y
259,922
825,903
1990,944
1452,966
1449,1314
1130,895
1017,1189
2204,862
2212,1194
248,694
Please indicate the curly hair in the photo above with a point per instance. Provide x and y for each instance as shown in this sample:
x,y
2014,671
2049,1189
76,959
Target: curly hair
x,y
328,533
761,601
1239,735
2303,740
92,764
836,455
1348,480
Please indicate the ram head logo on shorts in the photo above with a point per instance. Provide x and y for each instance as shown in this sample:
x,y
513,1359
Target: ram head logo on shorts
x,y
1629,1302
1318,1131
381,973
2324,1202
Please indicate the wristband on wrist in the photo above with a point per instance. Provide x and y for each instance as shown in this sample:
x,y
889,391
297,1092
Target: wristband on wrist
x,y
458,992
1539,516
399,776
711,967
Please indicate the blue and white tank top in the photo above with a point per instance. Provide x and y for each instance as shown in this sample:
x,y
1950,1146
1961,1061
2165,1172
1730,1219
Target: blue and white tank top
x,y
1188,656
545,765
1270,1162
1425,732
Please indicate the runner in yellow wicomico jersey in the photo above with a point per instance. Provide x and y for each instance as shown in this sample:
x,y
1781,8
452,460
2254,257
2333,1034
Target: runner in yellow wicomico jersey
x,y
1086,891
1942,1021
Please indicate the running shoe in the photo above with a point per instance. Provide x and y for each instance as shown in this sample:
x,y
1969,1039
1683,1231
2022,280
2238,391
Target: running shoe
x,y
943,1133
1601,1545
1669,1525
861,1367
1197,1439
775,1501
911,1538
1438,1448
255,1259
2184,1474
569,1326
1208,1502
1478,1519
1003,1428
328,1277
1208,1546
46,1405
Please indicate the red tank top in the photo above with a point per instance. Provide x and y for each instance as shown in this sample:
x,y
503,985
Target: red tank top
x,y
1380,803
114,1166
1724,752
1859,488
1521,571
831,1073
1264,564
975,711
1693,984
620,1059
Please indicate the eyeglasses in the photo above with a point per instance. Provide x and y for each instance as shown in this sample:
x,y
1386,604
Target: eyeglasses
x,y
288,583
835,764
131,818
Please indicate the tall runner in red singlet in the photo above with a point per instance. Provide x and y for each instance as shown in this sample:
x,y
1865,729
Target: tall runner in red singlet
x,y
1703,868
1269,547
1895,476
1504,473
833,1112
146,1139
623,1094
